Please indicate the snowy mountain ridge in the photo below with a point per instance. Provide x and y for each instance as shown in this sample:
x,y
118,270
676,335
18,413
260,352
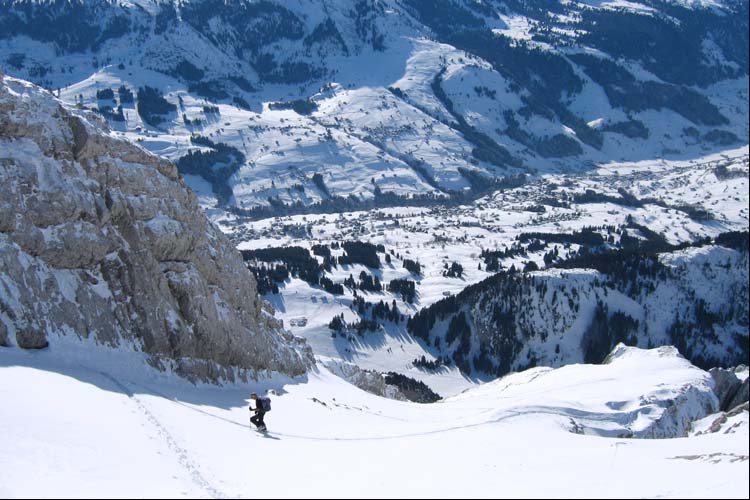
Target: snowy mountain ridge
x,y
281,107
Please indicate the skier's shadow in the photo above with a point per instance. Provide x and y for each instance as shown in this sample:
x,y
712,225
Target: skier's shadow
x,y
269,436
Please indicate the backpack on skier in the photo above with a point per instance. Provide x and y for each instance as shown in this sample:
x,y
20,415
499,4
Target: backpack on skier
x,y
265,403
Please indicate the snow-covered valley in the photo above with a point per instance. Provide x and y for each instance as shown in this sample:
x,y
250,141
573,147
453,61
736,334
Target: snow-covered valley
x,y
287,105
437,237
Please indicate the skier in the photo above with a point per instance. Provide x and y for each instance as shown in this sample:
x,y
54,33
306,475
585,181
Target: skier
x,y
262,405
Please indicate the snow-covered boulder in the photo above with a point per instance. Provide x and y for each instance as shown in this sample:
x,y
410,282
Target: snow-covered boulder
x,y
100,239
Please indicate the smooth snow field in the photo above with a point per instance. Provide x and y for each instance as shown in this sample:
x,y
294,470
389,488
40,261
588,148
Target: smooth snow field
x,y
78,420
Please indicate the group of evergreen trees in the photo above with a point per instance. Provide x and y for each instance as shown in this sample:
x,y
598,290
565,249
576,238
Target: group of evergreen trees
x,y
413,266
366,283
152,107
300,106
106,98
297,262
605,331
268,276
377,311
216,165
339,326
371,315
455,270
587,236
405,287
358,252
414,390
291,261
492,258
501,300
432,365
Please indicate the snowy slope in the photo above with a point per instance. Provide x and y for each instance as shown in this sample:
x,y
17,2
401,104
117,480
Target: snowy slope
x,y
410,96
417,102
100,423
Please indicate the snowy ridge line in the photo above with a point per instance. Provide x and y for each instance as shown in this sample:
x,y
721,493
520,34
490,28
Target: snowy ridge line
x,y
509,414
623,418
182,455
338,405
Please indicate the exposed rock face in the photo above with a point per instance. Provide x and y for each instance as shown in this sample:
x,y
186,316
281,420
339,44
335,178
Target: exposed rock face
x,y
742,396
677,414
727,422
101,239
367,380
729,388
3,335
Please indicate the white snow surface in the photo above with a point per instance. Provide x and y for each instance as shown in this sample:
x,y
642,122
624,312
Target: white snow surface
x,y
83,421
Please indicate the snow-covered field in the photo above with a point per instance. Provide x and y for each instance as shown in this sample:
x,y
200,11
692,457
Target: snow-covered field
x,y
81,421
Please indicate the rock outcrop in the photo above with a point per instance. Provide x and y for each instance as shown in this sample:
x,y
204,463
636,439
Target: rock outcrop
x,y
731,390
101,239
722,422
742,396
367,380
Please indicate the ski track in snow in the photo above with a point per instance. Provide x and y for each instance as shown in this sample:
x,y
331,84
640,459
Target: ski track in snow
x,y
575,415
183,458
507,415
496,425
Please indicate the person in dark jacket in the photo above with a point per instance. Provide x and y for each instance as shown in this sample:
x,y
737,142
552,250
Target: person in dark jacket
x,y
259,410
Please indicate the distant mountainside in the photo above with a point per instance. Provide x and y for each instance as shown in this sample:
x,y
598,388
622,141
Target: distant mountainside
x,y
695,299
100,239
347,104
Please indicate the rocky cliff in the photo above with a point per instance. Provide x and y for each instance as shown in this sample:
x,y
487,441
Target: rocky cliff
x,y
103,240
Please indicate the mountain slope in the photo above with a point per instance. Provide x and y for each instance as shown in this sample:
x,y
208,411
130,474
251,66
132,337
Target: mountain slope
x,y
341,104
102,240
695,299
541,432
